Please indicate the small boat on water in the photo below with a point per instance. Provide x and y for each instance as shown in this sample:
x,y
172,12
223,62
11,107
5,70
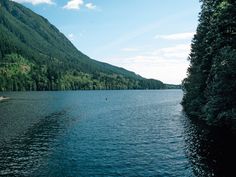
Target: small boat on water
x,y
3,98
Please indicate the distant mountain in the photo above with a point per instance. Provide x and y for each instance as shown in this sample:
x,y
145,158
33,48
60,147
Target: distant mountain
x,y
35,55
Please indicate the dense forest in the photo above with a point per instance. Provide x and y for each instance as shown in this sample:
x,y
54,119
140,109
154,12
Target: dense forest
x,y
35,55
210,88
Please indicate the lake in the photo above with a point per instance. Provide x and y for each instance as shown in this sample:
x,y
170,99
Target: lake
x,y
106,133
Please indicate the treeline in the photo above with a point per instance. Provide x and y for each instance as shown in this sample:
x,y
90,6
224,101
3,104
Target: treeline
x,y
210,88
35,55
19,74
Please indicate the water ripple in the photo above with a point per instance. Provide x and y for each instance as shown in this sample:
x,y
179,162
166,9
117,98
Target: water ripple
x,y
132,133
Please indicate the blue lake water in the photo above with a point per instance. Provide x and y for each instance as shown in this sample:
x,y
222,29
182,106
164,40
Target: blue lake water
x,y
101,133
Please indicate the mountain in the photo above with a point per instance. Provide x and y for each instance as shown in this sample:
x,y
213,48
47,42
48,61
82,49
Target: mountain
x,y
210,88
35,55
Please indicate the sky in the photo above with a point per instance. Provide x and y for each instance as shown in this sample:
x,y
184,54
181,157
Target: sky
x,y
151,37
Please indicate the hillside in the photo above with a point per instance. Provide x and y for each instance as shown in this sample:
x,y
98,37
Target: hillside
x,y
35,55
210,89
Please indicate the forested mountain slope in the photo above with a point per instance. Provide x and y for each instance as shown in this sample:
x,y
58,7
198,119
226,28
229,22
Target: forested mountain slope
x,y
210,88
35,55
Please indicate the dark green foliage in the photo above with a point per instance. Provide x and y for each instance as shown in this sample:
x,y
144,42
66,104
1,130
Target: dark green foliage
x,y
28,40
210,88
150,84
172,86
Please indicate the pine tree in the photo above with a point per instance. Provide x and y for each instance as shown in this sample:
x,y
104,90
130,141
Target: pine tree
x,y
211,83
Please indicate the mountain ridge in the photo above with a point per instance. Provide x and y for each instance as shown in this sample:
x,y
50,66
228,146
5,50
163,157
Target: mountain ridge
x,y
29,40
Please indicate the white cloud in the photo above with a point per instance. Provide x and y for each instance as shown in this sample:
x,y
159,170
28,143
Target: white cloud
x,y
167,64
71,37
129,49
74,4
90,6
74,37
177,36
35,2
180,51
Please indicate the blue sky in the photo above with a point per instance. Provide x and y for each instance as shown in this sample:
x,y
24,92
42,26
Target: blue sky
x,y
151,37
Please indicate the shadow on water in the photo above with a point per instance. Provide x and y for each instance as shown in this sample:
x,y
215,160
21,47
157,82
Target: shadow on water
x,y
211,152
25,153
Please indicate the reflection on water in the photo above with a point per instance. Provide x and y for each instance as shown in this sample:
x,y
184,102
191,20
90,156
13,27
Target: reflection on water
x,y
24,154
132,133
211,152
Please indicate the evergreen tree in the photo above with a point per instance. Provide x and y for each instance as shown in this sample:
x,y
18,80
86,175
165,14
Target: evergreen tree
x,y
34,55
210,88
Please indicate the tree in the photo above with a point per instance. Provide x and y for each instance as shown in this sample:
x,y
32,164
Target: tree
x,y
211,85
